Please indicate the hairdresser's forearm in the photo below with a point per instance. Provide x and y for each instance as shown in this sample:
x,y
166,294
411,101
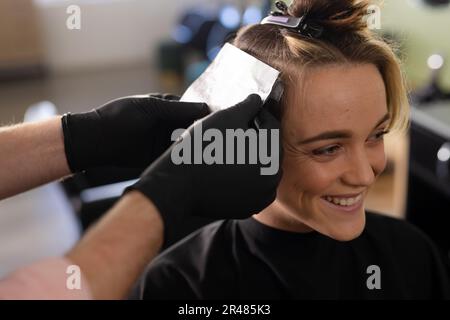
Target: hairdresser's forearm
x,y
115,251
31,154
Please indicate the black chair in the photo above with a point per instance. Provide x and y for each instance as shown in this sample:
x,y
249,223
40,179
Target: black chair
x,y
428,199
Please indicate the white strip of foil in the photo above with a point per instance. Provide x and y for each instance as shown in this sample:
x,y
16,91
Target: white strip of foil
x,y
230,79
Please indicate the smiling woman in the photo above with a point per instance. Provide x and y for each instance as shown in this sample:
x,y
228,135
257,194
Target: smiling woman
x,y
334,151
344,92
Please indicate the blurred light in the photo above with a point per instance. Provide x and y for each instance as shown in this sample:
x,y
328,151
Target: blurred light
x,y
230,17
444,154
194,20
194,70
435,61
213,52
40,111
252,15
218,35
182,34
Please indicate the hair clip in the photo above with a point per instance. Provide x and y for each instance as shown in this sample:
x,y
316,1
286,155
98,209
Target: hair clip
x,y
297,24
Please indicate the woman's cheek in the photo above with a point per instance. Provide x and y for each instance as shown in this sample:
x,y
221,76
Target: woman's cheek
x,y
308,175
320,177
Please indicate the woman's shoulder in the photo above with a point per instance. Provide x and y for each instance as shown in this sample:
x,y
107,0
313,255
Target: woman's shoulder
x,y
191,266
411,248
395,231
376,219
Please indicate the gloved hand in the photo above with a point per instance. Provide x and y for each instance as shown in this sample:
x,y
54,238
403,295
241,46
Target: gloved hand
x,y
217,191
127,132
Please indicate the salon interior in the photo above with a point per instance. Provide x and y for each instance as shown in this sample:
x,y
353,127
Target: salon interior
x,y
51,63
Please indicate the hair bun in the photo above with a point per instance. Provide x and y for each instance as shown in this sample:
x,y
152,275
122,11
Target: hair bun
x,y
335,16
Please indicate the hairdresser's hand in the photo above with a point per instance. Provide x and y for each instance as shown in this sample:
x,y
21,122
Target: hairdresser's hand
x,y
126,132
218,191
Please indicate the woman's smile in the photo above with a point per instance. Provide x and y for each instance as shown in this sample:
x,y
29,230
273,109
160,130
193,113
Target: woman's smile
x,y
343,204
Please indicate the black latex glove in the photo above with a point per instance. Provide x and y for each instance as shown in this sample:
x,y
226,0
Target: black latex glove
x,y
127,132
217,191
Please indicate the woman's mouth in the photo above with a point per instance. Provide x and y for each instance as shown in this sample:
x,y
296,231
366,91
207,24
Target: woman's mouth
x,y
347,204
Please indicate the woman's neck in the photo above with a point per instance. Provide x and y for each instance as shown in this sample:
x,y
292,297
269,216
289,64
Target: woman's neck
x,y
279,217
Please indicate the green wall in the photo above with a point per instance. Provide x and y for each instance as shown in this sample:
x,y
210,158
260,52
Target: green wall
x,y
423,31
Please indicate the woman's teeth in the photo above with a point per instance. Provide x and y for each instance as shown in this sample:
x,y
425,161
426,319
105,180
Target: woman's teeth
x,y
344,201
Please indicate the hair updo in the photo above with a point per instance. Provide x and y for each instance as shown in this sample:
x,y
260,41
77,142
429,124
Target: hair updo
x,y
346,39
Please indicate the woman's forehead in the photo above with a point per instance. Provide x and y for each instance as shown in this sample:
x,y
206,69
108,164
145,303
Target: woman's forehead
x,y
337,97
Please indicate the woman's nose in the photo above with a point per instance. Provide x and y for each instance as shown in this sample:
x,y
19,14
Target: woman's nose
x,y
360,171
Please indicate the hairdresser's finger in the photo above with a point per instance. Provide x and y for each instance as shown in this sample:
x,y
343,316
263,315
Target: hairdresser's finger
x,y
267,121
247,109
176,113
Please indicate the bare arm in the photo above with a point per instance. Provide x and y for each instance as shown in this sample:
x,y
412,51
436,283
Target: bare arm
x,y
114,252
31,154
111,257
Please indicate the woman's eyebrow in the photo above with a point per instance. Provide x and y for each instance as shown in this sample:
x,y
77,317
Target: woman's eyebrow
x,y
339,134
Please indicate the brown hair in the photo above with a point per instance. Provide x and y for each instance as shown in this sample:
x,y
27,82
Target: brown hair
x,y
346,40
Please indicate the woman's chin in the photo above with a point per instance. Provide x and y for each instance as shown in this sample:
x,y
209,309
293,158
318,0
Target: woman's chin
x,y
340,225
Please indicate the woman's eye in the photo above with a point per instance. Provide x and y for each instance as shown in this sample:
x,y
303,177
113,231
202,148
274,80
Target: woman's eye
x,y
326,151
380,135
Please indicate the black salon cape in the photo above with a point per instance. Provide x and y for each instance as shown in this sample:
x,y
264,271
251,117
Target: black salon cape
x,y
244,259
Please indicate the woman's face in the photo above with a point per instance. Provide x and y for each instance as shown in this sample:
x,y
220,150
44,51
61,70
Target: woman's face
x,y
333,151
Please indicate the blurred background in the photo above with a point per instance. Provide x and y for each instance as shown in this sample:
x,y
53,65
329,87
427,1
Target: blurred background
x,y
126,47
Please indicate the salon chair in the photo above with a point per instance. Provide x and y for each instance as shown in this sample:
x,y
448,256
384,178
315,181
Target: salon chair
x,y
94,192
428,199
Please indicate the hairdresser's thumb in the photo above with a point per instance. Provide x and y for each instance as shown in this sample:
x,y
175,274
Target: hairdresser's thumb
x,y
180,113
267,121
249,108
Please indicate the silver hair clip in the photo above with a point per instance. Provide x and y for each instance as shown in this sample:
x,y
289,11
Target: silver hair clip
x,y
296,24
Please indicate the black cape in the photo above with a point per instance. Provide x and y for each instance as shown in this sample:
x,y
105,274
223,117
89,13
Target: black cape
x,y
244,259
